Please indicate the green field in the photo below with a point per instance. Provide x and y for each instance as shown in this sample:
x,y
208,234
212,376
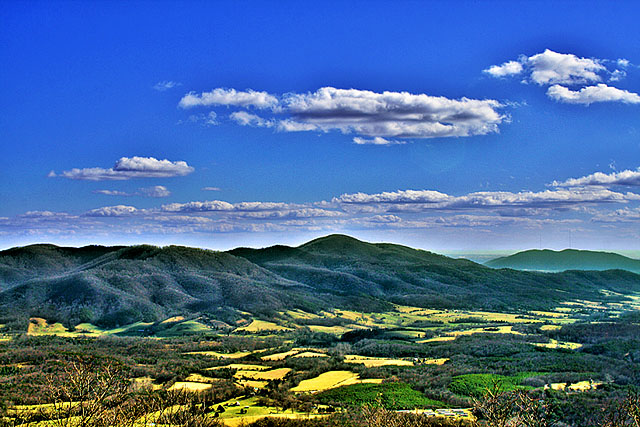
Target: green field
x,y
477,384
389,395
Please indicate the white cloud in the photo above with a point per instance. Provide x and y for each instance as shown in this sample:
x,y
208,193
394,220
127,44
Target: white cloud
x,y
392,114
220,96
421,200
293,126
166,85
210,189
376,141
509,68
560,70
622,62
551,67
292,214
617,75
373,117
112,193
590,94
619,215
244,118
209,206
112,211
626,177
47,215
155,191
402,196
134,167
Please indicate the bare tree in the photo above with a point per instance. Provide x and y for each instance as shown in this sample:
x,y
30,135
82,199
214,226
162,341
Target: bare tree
x,y
84,392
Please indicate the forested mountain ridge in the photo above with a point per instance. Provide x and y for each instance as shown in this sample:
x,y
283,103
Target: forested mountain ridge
x,y
568,259
118,285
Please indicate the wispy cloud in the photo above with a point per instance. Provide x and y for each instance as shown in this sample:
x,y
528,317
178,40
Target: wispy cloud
x,y
112,211
129,168
166,85
208,119
244,118
155,191
229,97
210,188
113,193
376,141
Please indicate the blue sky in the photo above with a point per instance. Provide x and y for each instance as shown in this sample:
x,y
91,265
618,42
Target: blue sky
x,y
442,125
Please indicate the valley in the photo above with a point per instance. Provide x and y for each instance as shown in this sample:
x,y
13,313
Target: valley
x,y
313,335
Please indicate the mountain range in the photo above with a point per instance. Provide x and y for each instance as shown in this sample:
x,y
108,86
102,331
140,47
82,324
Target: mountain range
x,y
568,259
113,286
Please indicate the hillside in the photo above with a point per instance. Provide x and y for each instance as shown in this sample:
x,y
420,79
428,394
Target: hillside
x,y
112,286
568,259
343,266
115,286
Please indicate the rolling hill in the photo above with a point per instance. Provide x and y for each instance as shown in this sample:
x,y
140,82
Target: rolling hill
x,y
568,259
112,286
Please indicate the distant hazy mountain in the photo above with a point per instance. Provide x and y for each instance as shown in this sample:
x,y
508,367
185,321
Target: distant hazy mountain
x,y
568,259
112,286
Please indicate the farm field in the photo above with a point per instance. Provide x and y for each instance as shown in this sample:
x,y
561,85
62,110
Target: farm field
x,y
331,379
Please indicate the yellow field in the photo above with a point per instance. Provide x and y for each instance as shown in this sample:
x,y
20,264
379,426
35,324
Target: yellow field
x,y
273,374
330,380
233,418
236,355
240,366
197,378
489,330
262,326
189,386
414,310
173,319
299,314
550,327
280,356
548,314
39,326
335,330
370,362
310,354
437,339
559,344
440,361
